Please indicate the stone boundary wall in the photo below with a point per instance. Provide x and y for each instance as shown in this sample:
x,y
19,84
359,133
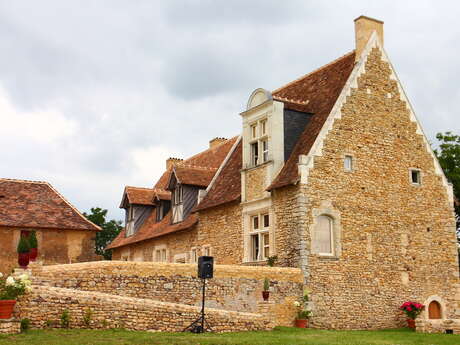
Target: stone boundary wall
x,y
437,326
237,288
10,326
45,305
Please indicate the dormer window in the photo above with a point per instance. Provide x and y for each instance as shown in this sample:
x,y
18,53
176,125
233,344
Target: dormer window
x,y
130,221
259,143
177,207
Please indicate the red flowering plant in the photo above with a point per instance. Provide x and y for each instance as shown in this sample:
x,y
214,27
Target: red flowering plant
x,y
412,309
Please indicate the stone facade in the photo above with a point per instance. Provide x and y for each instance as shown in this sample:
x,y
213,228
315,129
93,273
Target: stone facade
x,y
54,246
397,239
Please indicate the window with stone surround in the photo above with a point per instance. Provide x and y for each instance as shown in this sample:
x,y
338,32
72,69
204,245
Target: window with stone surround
x,y
348,163
325,231
194,255
259,142
324,238
206,250
161,255
415,177
260,237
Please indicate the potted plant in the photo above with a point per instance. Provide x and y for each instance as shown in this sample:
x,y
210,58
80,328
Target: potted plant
x,y
412,310
33,243
10,290
266,290
303,311
23,252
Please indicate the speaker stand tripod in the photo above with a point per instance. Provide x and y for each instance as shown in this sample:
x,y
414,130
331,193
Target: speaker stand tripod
x,y
200,325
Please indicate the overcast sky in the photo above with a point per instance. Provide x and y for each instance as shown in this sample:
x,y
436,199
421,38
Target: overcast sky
x,y
95,95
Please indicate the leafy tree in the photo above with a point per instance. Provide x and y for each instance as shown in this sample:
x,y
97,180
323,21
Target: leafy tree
x,y
110,230
449,158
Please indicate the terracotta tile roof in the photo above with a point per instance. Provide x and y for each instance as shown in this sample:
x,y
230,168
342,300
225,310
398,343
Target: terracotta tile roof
x,y
314,93
195,176
152,229
227,186
196,170
161,194
139,195
33,204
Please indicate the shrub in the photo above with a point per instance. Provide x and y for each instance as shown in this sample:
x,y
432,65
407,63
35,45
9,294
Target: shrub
x,y
23,245
271,261
25,325
303,311
87,317
33,243
65,319
49,323
266,284
412,309
11,288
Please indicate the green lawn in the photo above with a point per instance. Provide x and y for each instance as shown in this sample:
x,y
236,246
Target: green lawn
x,y
281,336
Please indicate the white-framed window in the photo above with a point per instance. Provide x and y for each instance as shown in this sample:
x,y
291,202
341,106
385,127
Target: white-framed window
x,y
161,255
416,177
259,147
259,237
325,235
160,211
194,255
348,163
177,207
206,250
130,221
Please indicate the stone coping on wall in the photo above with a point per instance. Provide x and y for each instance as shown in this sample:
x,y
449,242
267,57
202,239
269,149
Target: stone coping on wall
x,y
145,269
47,303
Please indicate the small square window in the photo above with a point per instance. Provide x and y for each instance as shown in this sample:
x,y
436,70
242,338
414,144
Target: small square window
x,y
348,163
415,176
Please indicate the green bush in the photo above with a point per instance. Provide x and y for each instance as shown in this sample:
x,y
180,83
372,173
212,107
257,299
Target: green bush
x,y
25,325
266,284
33,243
87,317
23,245
65,319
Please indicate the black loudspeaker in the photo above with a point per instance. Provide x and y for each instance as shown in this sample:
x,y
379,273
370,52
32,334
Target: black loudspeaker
x,y
205,267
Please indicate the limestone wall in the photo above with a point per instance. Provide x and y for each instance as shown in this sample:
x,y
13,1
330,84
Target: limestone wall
x,y
45,305
54,246
395,240
236,288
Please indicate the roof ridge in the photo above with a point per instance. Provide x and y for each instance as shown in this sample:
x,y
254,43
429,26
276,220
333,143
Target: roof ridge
x,y
312,72
22,181
194,167
72,206
208,149
139,187
291,100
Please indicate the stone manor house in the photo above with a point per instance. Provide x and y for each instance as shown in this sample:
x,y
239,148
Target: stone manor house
x,y
333,174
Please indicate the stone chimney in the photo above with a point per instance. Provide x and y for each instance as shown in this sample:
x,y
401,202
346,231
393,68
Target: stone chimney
x,y
216,141
364,27
170,162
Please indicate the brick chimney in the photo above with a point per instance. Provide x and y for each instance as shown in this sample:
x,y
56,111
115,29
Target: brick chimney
x,y
364,27
216,141
170,162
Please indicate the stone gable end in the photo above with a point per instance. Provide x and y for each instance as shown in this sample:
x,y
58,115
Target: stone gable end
x,y
397,239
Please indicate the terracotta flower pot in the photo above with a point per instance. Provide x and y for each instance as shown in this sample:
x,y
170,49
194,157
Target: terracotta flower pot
x,y
265,295
33,254
23,260
411,323
301,323
6,308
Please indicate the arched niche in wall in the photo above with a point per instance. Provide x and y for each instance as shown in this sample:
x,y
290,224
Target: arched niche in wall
x,y
258,97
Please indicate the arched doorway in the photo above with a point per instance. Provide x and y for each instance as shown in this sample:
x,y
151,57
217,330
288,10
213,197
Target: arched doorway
x,y
434,310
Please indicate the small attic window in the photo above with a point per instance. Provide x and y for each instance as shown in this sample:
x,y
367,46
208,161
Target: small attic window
x,y
348,163
415,177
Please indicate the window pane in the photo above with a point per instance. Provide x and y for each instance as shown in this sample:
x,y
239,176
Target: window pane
x,y
264,127
255,223
254,247
253,131
324,233
266,239
254,153
266,220
348,163
415,176
265,150
157,256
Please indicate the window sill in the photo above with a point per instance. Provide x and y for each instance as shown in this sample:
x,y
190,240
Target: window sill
x,y
254,263
258,165
327,257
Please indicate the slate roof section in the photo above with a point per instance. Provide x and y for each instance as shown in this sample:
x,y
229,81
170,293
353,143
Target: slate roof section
x,y
227,186
36,204
314,93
